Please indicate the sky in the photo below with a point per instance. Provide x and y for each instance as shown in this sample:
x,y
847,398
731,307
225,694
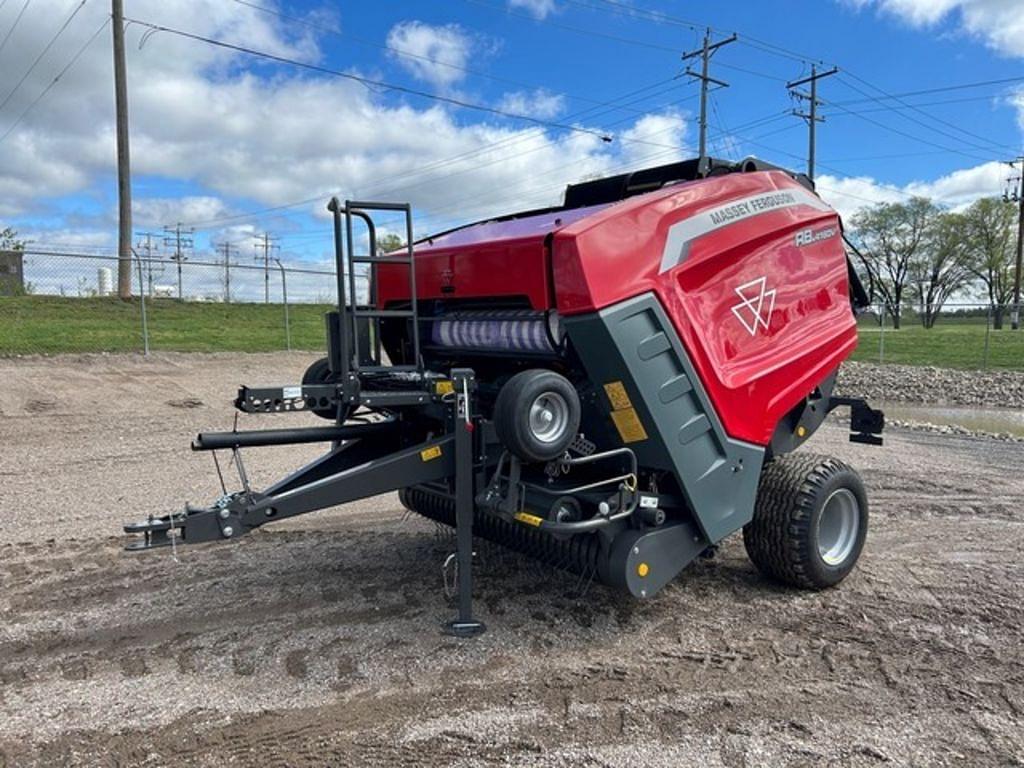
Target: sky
x,y
472,108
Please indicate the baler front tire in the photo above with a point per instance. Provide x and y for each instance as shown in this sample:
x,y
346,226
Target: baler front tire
x,y
810,521
543,393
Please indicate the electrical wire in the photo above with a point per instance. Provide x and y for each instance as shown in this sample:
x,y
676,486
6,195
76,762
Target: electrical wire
x,y
14,25
371,81
42,53
55,80
413,56
451,160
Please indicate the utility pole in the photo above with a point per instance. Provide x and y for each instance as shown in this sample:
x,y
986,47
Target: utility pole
x,y
705,53
1018,197
179,238
811,115
227,248
265,241
148,248
124,181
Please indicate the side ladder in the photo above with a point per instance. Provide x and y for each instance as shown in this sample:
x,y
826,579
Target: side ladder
x,y
350,311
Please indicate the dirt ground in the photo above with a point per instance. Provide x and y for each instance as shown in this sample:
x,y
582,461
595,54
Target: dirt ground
x,y
317,642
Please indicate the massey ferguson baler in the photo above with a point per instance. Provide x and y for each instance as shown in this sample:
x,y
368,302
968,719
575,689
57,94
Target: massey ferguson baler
x,y
613,385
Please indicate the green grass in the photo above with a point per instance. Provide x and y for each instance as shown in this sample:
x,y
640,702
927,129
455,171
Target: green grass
x,y
954,342
54,324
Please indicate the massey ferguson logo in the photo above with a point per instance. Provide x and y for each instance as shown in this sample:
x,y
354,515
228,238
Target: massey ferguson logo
x,y
756,305
809,236
447,280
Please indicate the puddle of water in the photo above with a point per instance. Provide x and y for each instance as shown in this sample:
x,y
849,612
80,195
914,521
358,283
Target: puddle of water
x,y
969,417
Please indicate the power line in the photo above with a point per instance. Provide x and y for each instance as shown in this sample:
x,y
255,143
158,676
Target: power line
x,y
43,53
55,80
14,25
516,139
370,81
928,115
409,54
929,91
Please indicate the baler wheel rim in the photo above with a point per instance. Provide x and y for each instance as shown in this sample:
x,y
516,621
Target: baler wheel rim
x,y
838,526
549,417
537,414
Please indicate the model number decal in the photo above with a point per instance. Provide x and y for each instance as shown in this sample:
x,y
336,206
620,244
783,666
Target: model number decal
x,y
810,236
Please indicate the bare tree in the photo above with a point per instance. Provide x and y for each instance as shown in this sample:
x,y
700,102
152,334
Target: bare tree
x,y
990,226
894,236
942,267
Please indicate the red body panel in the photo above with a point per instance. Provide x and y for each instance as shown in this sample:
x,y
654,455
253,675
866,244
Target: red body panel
x,y
788,262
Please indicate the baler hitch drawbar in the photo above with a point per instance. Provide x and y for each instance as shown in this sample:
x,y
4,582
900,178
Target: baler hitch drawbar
x,y
367,459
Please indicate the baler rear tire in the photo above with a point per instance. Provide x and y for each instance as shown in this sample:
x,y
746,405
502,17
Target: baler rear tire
x,y
512,410
784,539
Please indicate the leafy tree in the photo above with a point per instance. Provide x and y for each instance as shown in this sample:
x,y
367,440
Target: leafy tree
x,y
9,240
990,227
894,236
389,242
942,267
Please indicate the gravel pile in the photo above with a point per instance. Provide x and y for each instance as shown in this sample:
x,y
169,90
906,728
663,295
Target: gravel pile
x,y
919,384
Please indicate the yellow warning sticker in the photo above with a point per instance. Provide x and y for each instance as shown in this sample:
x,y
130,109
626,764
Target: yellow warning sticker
x,y
526,517
631,429
617,395
444,387
428,454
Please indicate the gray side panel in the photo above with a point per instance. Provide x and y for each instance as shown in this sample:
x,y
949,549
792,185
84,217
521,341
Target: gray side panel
x,y
634,342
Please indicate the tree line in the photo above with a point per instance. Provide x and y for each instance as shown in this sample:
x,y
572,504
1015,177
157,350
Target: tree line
x,y
919,255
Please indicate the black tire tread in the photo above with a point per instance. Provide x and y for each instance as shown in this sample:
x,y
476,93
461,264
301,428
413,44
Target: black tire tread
x,y
508,422
777,539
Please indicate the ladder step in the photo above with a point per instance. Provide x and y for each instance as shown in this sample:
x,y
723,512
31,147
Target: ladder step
x,y
383,313
381,260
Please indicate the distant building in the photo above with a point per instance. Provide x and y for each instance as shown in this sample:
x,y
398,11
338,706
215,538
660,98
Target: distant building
x,y
12,273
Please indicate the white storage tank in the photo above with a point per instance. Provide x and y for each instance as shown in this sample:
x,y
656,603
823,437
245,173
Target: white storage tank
x,y
104,281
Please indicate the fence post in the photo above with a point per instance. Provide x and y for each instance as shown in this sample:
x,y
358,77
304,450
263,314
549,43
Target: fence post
x,y
988,330
142,304
881,336
284,292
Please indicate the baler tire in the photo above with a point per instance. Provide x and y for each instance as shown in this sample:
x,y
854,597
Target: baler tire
x,y
320,373
783,538
512,414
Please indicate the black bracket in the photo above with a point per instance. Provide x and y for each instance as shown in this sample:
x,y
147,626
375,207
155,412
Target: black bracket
x,y
866,423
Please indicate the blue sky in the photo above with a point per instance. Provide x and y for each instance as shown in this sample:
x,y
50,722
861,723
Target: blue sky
x,y
219,136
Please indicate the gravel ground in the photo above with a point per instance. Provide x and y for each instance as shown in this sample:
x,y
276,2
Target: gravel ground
x,y
922,384
316,641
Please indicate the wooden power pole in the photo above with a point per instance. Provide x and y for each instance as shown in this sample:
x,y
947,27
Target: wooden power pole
x,y
811,115
124,181
705,52
1015,313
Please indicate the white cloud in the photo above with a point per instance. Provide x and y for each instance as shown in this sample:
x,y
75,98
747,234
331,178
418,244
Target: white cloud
x,y
158,211
661,135
218,122
539,9
954,190
436,54
1000,23
541,103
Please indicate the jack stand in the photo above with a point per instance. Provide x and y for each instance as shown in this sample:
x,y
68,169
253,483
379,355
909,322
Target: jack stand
x,y
464,625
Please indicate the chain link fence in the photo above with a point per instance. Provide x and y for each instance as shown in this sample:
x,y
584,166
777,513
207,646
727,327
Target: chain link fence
x,y
53,302
960,335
